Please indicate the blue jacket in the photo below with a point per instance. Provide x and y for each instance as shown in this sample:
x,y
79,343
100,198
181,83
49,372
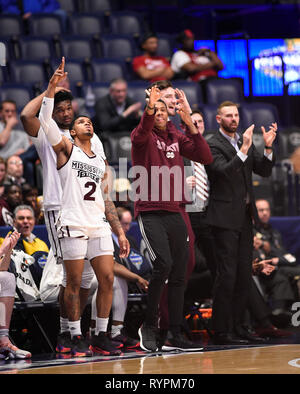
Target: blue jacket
x,y
33,6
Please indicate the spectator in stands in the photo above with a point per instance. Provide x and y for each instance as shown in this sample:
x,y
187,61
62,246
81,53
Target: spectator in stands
x,y
195,65
117,111
24,222
280,287
26,8
12,197
30,197
2,175
14,171
260,319
7,299
150,66
13,141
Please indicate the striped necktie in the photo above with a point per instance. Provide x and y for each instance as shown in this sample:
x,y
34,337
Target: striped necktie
x,y
202,184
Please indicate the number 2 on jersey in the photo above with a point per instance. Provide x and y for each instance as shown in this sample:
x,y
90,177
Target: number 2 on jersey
x,y
89,195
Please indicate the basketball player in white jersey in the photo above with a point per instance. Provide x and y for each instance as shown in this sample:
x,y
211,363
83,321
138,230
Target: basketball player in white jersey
x,y
82,225
52,192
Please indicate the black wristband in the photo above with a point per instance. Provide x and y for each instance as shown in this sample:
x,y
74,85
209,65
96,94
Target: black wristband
x,y
268,147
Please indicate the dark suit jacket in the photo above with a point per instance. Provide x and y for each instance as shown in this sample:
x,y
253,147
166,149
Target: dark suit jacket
x,y
107,118
230,180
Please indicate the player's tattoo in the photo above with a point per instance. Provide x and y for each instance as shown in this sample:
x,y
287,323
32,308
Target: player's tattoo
x,y
112,216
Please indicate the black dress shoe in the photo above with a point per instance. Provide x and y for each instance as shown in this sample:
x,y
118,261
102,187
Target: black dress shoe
x,y
225,338
246,333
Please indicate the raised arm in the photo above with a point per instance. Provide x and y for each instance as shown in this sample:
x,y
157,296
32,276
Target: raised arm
x,y
29,120
141,133
62,146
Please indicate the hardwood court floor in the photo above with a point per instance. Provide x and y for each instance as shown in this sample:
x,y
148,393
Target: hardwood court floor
x,y
270,359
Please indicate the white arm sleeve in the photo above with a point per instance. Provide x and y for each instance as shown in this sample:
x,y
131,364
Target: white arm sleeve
x,y
48,124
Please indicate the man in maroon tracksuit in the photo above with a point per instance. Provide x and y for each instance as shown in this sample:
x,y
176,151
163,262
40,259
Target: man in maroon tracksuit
x,y
157,150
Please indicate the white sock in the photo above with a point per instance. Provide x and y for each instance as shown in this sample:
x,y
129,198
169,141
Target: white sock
x,y
64,324
101,324
4,335
74,327
116,330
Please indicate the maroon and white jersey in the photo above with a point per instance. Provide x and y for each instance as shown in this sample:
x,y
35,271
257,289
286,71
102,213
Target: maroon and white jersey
x,y
82,202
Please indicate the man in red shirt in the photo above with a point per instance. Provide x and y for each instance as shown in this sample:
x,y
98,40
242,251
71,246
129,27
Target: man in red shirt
x,y
149,66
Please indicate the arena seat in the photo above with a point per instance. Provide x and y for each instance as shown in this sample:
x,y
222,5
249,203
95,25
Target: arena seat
x,y
29,71
35,48
94,6
76,47
87,24
166,45
192,91
136,90
118,46
124,22
218,90
258,113
45,25
105,70
11,25
100,89
20,93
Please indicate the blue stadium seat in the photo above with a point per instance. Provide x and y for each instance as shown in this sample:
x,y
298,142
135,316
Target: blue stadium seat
x,y
166,45
20,93
218,90
258,113
192,91
45,25
124,22
136,90
70,6
100,89
75,68
11,25
118,46
35,48
209,117
30,72
87,24
105,70
76,48
94,6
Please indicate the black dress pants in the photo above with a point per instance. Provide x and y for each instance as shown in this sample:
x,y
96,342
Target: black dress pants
x,y
165,235
234,275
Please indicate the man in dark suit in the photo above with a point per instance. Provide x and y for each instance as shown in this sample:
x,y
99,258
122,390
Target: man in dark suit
x,y
230,212
116,111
